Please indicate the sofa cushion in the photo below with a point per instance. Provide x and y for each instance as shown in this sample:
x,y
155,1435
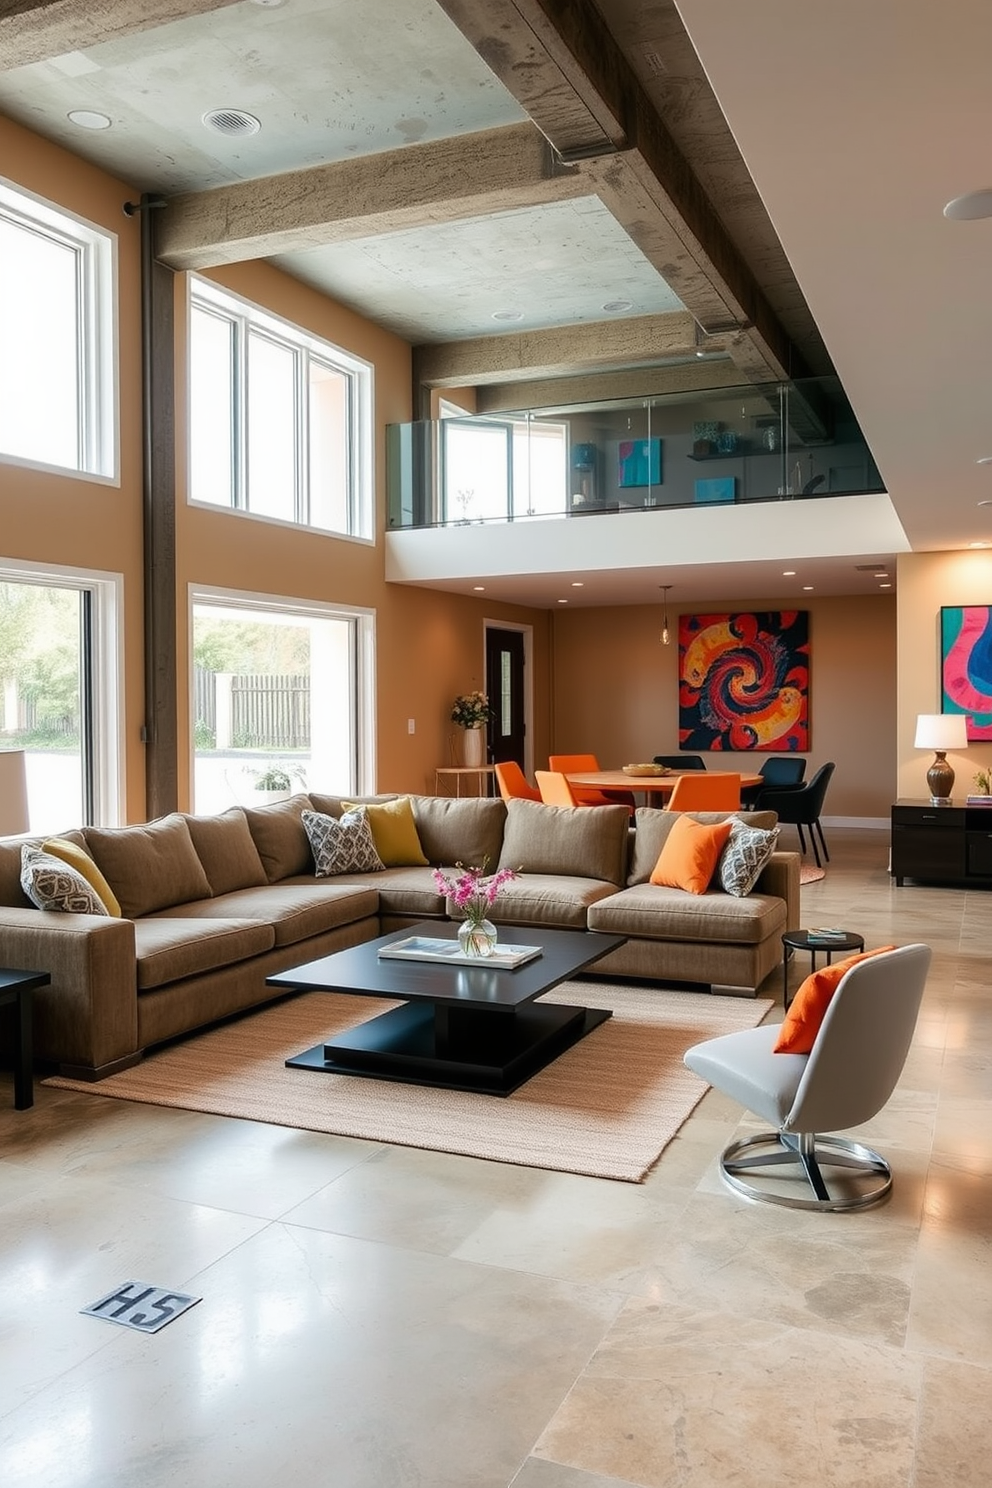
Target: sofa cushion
x,y
278,834
225,847
342,844
77,857
566,841
652,827
170,949
295,911
335,805
52,883
747,852
560,902
691,852
650,912
394,831
469,830
149,867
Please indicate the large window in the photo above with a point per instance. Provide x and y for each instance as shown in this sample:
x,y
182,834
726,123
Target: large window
x,y
57,342
498,470
280,422
281,698
59,691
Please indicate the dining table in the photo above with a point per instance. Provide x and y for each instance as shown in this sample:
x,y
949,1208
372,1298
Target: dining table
x,y
659,786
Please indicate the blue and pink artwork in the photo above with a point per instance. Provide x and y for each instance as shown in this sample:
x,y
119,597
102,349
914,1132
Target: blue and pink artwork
x,y
744,681
639,462
966,665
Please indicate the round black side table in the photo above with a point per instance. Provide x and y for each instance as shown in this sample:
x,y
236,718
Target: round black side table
x,y
802,940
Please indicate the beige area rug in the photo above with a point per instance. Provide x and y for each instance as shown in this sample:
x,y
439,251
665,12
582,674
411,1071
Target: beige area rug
x,y
607,1107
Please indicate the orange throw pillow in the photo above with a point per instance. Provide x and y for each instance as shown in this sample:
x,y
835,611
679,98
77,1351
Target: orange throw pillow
x,y
689,857
801,1023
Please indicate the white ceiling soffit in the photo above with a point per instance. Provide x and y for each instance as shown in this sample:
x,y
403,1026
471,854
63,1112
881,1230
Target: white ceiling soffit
x,y
538,267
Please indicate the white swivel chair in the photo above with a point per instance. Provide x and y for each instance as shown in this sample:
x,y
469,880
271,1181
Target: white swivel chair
x,y
845,1079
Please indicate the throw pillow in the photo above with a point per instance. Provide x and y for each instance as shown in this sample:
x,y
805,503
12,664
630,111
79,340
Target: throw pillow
x,y
341,844
395,832
78,858
807,1009
50,883
746,853
689,857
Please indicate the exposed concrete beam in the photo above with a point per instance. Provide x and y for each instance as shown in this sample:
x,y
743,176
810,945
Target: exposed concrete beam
x,y
468,175
560,61
34,30
599,387
555,352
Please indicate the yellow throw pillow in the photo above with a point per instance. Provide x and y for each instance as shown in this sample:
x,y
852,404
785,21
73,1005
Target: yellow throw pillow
x,y
394,832
689,857
79,858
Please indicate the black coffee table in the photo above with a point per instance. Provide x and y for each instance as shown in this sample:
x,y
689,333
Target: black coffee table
x,y
460,1027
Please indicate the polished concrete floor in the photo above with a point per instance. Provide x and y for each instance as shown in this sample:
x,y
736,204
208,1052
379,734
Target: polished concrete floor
x,y
382,1317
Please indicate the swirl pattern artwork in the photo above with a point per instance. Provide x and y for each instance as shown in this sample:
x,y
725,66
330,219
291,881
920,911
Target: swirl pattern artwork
x,y
744,681
966,666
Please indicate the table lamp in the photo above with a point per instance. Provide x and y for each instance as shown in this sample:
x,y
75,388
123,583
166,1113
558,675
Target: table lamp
x,y
940,732
13,793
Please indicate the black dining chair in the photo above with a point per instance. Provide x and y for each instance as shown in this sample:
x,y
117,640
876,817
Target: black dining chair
x,y
800,806
779,769
681,761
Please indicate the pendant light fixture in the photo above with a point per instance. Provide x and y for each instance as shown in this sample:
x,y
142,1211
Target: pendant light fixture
x,y
666,634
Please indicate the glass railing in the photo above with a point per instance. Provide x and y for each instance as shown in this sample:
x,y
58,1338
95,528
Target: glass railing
x,y
772,442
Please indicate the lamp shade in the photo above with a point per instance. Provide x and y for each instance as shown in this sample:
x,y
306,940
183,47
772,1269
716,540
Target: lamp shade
x,y
13,793
941,731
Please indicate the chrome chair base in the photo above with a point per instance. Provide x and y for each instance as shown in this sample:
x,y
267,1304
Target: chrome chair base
x,y
802,1149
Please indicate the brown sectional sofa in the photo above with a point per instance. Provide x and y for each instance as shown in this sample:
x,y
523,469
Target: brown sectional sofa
x,y
211,906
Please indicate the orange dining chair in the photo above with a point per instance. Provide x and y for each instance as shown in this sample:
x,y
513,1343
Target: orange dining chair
x,y
704,792
555,789
513,783
586,795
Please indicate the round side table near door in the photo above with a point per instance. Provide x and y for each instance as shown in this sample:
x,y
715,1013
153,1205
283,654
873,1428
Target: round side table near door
x,y
808,940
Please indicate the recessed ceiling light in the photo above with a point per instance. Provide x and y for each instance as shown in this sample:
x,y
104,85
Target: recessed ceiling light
x,y
508,315
808,588
479,588
563,601
235,123
980,545
970,207
885,586
614,307
88,119
578,584
272,3
882,573
788,573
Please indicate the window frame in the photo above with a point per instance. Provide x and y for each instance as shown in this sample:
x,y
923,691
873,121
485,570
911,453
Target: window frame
x,y
97,342
454,419
247,320
363,663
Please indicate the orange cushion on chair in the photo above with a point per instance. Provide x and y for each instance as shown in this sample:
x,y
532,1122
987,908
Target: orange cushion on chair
x,y
807,1009
689,857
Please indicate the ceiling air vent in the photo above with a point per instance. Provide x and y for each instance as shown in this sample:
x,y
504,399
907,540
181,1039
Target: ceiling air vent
x,y
232,122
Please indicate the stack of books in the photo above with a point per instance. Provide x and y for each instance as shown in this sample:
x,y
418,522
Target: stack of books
x,y
978,800
826,935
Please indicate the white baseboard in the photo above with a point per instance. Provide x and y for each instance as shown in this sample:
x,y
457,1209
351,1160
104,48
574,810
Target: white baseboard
x,y
878,823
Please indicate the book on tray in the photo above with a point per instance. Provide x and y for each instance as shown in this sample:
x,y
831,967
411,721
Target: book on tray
x,y
429,948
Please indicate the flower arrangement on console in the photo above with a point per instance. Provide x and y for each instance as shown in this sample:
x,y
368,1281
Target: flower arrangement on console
x,y
473,894
470,710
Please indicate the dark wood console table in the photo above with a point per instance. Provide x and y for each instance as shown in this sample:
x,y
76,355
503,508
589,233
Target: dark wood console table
x,y
942,844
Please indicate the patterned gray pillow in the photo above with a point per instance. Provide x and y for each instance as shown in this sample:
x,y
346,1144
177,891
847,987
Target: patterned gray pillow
x,y
746,853
341,844
51,884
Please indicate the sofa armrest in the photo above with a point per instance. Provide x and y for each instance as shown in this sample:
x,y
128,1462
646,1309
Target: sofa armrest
x,y
780,876
88,1017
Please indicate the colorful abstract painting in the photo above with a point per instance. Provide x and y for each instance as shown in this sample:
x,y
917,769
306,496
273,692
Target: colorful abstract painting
x,y
639,462
744,681
966,665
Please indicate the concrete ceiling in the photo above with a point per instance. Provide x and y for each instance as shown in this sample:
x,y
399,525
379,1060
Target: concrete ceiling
x,y
778,171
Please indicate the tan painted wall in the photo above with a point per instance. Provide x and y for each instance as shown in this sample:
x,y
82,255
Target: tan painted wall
x,y
925,581
429,646
615,692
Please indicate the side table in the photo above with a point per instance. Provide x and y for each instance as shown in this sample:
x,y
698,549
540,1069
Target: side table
x,y
479,777
16,987
799,940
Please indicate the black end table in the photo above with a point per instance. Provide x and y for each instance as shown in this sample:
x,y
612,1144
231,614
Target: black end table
x,y
16,987
799,940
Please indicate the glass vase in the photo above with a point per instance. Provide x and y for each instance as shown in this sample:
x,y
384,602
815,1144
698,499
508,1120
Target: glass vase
x,y
477,938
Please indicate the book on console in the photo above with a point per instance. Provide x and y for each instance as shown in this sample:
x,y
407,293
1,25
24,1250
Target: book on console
x,y
429,948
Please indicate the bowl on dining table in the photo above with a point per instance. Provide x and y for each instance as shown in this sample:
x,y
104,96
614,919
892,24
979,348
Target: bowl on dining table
x,y
644,770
